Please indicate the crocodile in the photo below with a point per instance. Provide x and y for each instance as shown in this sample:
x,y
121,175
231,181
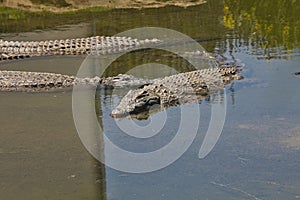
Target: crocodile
x,y
44,81
174,90
162,92
37,81
11,50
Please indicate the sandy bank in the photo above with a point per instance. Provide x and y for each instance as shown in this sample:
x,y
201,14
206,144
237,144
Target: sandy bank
x,y
67,5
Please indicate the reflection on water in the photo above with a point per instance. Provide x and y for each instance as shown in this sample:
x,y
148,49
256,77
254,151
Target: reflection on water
x,y
264,29
257,156
264,25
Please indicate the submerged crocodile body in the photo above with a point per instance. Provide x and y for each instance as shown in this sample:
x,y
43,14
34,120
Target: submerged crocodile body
x,y
11,50
43,81
174,90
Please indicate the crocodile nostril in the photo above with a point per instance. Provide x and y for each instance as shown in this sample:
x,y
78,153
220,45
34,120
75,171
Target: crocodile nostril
x,y
142,95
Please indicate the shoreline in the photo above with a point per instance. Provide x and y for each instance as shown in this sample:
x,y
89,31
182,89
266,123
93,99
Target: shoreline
x,y
99,5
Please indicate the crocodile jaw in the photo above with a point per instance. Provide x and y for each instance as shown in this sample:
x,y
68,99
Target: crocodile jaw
x,y
134,102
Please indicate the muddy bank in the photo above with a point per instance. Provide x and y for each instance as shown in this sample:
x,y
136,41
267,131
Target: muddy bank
x,y
67,5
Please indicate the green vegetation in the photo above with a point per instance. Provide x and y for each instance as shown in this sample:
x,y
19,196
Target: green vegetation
x,y
17,20
12,14
91,10
266,23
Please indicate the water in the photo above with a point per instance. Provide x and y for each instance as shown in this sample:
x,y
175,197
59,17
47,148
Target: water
x,y
256,156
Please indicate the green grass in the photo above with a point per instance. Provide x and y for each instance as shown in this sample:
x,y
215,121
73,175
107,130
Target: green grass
x,y
94,9
11,13
18,20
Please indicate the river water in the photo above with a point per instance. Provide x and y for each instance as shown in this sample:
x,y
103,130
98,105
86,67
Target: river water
x,y
256,156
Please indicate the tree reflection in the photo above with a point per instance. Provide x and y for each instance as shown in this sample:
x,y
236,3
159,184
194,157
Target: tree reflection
x,y
272,26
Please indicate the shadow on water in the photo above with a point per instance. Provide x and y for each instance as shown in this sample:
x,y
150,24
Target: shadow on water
x,y
256,157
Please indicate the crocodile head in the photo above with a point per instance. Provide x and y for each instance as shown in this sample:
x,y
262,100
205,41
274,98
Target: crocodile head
x,y
135,102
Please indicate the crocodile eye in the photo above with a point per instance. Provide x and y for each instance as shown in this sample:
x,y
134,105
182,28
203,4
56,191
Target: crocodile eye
x,y
142,86
153,101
